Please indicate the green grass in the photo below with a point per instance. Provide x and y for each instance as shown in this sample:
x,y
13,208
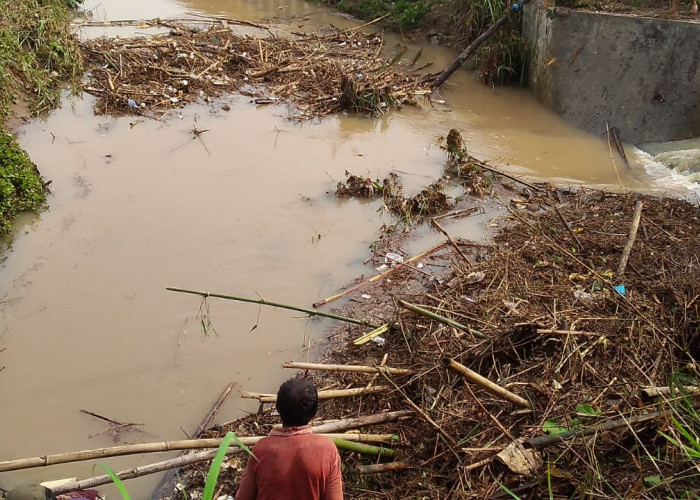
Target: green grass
x,y
402,15
21,187
37,54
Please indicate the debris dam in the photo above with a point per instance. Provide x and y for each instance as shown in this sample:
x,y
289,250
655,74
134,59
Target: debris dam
x,y
637,74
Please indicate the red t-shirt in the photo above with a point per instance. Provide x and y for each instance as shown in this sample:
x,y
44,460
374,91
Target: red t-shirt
x,y
292,464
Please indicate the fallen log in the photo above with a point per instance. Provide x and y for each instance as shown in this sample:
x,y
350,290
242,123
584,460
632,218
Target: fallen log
x,y
466,53
353,423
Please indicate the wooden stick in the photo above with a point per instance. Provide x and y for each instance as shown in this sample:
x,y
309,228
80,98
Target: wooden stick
x,y
353,423
564,332
466,53
543,441
335,393
376,468
630,239
375,278
485,383
186,444
447,235
346,368
423,415
441,319
571,231
167,484
264,302
363,449
483,165
665,391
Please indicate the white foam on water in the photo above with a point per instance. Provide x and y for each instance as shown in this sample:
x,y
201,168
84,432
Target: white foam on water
x,y
677,171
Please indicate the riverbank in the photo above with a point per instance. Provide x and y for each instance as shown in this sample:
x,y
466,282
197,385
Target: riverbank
x,y
38,54
557,358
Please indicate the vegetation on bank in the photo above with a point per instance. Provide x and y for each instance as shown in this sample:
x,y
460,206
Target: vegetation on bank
x,y
501,60
37,54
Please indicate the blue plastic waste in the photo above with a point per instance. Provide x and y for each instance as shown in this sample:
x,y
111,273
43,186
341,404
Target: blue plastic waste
x,y
620,289
132,103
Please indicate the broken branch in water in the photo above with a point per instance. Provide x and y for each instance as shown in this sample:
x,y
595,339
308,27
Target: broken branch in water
x,y
337,393
377,277
264,302
347,368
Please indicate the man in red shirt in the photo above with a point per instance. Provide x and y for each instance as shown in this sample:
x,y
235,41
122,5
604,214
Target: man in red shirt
x,y
292,463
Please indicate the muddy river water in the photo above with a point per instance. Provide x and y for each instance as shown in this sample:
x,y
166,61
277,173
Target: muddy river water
x,y
138,205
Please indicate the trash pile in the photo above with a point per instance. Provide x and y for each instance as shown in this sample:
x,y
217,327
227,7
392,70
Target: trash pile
x,y
558,360
321,73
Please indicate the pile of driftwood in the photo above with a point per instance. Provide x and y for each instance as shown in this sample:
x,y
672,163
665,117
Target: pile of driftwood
x,y
560,360
320,73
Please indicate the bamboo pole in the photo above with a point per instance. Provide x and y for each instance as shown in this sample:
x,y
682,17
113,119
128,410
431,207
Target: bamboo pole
x,y
335,393
363,449
142,448
353,423
441,319
485,383
377,277
376,468
264,302
630,239
347,368
449,238
145,470
543,441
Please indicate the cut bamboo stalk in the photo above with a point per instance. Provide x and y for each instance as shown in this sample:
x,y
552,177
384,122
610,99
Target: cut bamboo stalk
x,y
485,383
441,319
264,302
375,278
363,449
347,368
666,391
565,332
568,228
142,448
334,393
370,335
543,441
630,239
376,468
353,423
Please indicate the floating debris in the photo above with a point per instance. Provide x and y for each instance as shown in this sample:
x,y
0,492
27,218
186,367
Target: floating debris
x,y
321,73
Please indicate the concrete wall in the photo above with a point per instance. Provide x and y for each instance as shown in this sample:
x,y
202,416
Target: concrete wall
x,y
640,75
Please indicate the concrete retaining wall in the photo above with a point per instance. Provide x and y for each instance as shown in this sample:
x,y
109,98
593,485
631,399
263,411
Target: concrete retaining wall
x,y
640,75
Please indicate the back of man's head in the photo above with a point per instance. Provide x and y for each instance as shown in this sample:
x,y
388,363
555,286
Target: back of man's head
x,y
297,402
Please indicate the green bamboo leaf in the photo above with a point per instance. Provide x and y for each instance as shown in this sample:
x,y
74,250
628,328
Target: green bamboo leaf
x,y
118,482
213,474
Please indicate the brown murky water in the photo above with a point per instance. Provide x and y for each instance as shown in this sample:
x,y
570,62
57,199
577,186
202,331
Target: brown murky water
x,y
138,205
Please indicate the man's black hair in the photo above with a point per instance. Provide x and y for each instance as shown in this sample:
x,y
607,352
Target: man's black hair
x,y
297,402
